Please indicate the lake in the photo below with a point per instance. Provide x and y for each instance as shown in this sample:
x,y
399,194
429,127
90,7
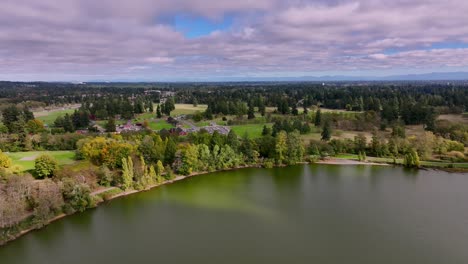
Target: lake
x,y
301,214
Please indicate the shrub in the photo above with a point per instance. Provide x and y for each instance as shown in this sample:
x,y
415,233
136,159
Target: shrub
x,y
5,161
456,156
268,164
76,195
105,176
45,166
169,173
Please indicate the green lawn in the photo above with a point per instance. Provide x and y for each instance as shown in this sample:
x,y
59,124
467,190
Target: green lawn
x,y
252,130
142,117
187,109
203,123
159,124
26,159
49,117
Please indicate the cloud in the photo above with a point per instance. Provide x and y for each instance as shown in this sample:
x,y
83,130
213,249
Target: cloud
x,y
119,37
378,56
159,60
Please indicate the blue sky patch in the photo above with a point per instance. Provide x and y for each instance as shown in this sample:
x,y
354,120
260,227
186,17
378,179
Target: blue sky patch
x,y
197,26
434,46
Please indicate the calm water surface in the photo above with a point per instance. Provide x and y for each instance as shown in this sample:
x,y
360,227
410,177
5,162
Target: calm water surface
x,y
303,214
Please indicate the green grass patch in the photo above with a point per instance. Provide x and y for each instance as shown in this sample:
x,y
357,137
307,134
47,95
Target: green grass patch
x,y
26,159
109,194
202,123
49,117
159,124
144,116
347,156
252,130
187,109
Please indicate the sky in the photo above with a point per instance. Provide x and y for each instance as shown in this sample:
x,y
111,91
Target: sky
x,y
173,40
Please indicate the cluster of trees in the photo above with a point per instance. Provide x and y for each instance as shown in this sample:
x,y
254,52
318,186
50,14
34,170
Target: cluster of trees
x,y
409,103
289,125
108,106
15,119
24,198
201,151
425,146
38,142
225,106
70,123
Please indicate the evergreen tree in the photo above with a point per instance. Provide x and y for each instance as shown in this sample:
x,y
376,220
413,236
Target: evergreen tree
x,y
27,114
261,106
326,131
12,115
233,140
251,112
169,106
68,123
110,125
318,118
170,151
158,112
294,110
266,131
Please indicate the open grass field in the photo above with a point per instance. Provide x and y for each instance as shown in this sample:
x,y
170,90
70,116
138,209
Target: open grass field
x,y
154,123
252,130
48,117
26,159
187,109
204,123
463,118
159,124
311,136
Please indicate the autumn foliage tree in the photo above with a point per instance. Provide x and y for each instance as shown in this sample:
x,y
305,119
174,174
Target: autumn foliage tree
x,y
45,166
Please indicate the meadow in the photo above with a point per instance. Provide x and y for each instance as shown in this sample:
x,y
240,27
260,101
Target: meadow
x,y
187,109
252,130
26,159
48,117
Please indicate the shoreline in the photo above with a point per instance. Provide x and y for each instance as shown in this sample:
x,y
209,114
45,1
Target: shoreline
x,y
338,161
331,161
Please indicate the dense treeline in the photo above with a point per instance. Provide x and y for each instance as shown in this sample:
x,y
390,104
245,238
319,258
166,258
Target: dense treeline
x,y
415,105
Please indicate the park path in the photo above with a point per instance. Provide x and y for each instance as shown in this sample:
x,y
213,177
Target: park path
x,y
103,190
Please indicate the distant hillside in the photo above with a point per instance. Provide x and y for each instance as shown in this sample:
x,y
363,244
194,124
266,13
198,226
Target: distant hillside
x,y
434,76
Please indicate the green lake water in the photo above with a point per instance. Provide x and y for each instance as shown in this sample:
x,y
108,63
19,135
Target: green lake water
x,y
301,214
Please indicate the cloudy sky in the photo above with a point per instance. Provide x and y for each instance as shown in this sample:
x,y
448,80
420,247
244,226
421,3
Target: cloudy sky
x,y
162,40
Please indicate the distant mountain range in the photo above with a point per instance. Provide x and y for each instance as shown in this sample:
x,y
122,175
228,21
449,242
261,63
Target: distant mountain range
x,y
434,76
